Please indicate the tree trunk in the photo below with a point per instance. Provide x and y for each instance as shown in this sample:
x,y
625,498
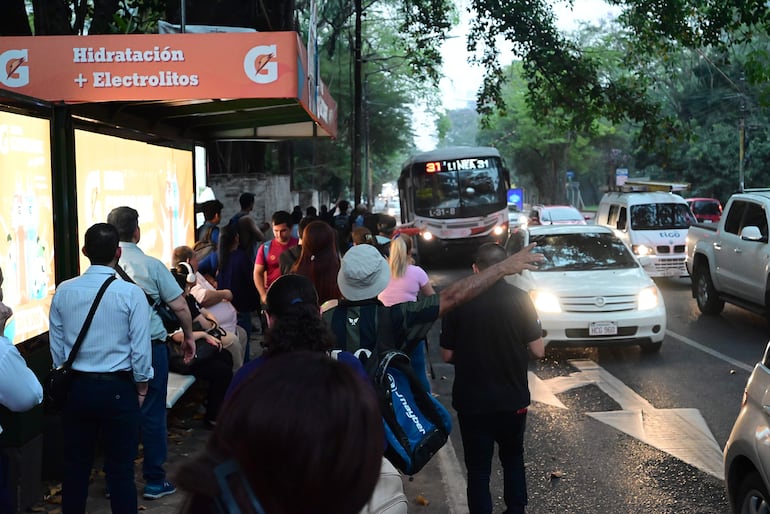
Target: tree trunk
x,y
14,20
102,19
52,17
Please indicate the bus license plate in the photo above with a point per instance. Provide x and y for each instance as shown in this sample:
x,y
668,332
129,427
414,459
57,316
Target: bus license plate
x,y
603,328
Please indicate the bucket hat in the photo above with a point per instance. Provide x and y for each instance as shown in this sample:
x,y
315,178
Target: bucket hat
x,y
364,273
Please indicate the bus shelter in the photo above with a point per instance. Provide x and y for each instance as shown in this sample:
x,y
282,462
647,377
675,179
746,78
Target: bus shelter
x,y
91,122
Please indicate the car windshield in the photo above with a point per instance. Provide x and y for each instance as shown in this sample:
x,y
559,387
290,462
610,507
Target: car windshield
x,y
560,214
582,251
705,207
655,216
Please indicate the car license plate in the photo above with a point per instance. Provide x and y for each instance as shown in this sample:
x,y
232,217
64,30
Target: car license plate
x,y
603,328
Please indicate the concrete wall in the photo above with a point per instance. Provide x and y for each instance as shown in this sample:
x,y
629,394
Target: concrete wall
x,y
272,193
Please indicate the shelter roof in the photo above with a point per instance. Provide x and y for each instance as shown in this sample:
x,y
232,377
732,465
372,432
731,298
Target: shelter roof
x,y
248,86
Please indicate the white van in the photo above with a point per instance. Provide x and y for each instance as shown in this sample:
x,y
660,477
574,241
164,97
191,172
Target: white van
x,y
653,224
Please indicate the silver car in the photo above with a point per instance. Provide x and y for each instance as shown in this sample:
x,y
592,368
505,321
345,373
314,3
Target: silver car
x,y
747,453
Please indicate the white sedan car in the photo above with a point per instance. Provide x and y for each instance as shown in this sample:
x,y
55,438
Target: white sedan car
x,y
591,289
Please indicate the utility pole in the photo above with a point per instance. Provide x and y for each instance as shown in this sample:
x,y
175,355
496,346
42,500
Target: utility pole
x,y
357,108
741,142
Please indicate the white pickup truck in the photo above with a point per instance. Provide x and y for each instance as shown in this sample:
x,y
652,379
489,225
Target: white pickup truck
x,y
729,261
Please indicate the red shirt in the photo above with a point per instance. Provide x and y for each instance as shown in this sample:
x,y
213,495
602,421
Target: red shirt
x,y
271,265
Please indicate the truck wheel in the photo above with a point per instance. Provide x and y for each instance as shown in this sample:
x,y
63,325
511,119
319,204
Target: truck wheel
x,y
706,296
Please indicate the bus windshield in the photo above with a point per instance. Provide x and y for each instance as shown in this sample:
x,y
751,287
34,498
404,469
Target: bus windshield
x,y
477,190
655,216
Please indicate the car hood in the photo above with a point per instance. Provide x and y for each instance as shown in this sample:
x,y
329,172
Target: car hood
x,y
587,282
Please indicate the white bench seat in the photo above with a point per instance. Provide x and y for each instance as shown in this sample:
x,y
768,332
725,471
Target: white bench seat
x,y
177,385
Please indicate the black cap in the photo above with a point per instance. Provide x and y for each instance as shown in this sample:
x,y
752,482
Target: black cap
x,y
289,290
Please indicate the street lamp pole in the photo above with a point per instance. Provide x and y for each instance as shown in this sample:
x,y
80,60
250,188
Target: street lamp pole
x,y
357,107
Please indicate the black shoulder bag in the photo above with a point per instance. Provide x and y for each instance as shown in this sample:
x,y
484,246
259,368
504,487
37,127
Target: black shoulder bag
x,y
166,313
58,382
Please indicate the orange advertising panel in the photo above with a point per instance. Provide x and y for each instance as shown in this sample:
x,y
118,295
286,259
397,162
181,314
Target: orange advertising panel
x,y
154,66
155,180
26,224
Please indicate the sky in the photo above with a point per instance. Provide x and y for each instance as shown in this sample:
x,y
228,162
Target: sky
x,y
462,80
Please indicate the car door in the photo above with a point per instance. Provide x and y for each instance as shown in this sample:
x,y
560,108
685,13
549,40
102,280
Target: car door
x,y
741,264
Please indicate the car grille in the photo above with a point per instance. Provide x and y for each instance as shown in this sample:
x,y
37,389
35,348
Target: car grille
x,y
671,263
582,333
612,303
668,249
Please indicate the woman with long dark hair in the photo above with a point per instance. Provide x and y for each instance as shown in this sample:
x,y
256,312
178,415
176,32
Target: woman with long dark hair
x,y
319,259
236,268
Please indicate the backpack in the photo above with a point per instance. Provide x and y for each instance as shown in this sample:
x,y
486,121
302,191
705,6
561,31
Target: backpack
x,y
266,249
342,222
416,424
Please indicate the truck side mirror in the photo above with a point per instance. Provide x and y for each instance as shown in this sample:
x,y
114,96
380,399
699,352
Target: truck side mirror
x,y
751,233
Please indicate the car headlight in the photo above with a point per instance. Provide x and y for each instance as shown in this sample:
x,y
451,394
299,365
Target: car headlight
x,y
648,298
642,250
545,301
427,235
523,220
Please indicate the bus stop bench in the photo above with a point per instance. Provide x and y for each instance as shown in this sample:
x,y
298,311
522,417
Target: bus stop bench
x,y
177,385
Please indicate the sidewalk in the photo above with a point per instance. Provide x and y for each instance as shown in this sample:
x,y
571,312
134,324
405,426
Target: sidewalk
x,y
187,436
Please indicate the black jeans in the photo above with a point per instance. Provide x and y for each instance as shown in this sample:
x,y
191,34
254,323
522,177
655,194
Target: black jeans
x,y
110,409
218,372
479,433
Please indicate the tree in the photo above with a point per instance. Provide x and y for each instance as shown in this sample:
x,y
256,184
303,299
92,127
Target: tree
x,y
562,77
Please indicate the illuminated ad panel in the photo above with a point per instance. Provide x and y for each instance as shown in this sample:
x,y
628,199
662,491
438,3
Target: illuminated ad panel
x,y
157,181
26,221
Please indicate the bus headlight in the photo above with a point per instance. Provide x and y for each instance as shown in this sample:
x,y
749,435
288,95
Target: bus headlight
x,y
498,230
545,301
647,298
427,235
642,250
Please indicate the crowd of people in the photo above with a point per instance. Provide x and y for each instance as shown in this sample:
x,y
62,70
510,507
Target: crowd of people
x,y
292,429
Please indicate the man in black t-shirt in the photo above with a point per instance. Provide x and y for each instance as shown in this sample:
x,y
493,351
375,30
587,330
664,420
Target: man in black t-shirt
x,y
490,339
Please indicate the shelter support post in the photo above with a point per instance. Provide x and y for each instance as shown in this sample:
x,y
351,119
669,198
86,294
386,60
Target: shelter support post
x,y
64,189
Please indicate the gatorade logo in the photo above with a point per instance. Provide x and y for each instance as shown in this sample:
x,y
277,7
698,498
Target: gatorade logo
x,y
14,71
260,64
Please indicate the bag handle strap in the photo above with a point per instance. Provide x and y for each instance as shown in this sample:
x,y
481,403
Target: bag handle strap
x,y
125,277
87,322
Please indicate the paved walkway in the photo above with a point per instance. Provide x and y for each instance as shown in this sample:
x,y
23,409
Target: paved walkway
x,y
187,436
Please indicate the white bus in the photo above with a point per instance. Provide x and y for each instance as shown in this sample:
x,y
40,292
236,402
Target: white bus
x,y
454,198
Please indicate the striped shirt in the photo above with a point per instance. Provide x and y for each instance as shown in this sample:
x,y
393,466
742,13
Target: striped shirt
x,y
119,336
154,277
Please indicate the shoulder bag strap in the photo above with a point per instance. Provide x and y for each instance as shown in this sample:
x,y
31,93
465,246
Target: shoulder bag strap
x,y
87,322
125,277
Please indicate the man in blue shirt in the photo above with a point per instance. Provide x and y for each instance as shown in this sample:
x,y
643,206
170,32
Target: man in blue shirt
x,y
212,213
20,389
110,373
157,281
